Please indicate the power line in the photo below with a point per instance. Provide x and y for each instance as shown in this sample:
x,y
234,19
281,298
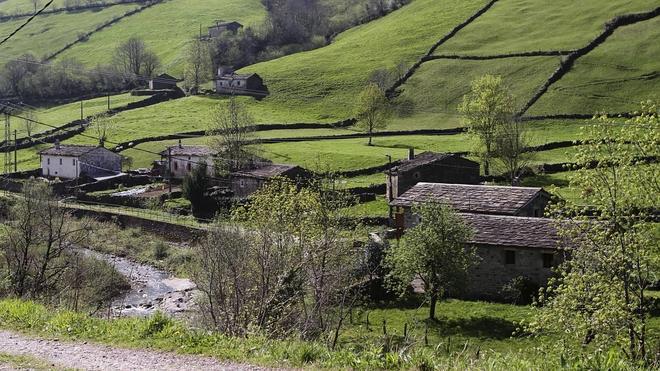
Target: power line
x,y
26,23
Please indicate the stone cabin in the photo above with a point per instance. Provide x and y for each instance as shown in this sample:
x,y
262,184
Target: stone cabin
x,y
229,82
475,199
163,82
220,26
74,161
510,247
246,182
183,159
430,167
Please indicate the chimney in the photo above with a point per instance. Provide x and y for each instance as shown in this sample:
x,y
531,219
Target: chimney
x,y
57,144
180,145
411,153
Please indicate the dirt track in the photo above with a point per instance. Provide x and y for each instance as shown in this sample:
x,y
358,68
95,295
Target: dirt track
x,y
76,355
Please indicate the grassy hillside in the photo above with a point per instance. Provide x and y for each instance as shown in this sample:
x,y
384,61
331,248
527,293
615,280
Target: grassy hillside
x,y
49,33
524,25
166,28
612,78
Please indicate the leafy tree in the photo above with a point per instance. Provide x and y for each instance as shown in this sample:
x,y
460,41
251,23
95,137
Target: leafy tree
x,y
372,110
600,295
194,185
511,149
487,107
232,126
434,251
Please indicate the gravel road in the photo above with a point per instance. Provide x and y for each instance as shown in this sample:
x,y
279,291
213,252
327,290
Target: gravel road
x,y
73,355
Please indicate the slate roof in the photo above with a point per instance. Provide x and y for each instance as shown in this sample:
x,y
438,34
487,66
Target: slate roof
x,y
235,76
162,77
68,150
482,199
426,158
512,231
266,172
199,151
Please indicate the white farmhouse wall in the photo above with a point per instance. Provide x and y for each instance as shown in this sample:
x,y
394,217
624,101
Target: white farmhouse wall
x,y
60,166
182,165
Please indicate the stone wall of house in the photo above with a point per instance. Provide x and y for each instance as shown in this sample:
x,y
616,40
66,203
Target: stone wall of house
x,y
244,186
492,272
453,170
100,162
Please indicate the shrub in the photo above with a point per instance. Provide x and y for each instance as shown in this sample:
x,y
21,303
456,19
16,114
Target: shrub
x,y
160,250
520,290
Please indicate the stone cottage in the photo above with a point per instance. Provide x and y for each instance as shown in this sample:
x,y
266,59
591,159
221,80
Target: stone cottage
x,y
182,159
475,199
220,26
73,161
163,82
510,247
229,82
430,167
246,182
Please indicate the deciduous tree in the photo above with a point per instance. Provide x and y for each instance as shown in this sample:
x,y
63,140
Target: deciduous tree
x,y
372,110
511,149
487,107
232,126
198,64
600,295
435,252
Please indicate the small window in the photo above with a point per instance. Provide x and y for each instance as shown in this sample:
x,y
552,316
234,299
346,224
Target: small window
x,y
417,175
60,161
74,162
48,161
189,167
241,183
176,165
509,257
548,260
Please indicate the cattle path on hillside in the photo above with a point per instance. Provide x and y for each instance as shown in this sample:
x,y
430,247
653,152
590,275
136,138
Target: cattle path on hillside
x,y
81,355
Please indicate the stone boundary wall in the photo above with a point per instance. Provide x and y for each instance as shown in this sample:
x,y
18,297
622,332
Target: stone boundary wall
x,y
392,91
538,53
74,9
567,63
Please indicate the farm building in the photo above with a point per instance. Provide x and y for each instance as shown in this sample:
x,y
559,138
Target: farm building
x,y
476,199
246,182
73,161
228,82
220,26
181,159
510,247
163,82
430,167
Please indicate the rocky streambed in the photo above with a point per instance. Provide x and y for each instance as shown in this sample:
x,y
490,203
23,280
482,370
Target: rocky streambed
x,y
151,289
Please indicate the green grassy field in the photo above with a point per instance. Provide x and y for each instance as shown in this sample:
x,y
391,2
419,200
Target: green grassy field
x,y
49,33
24,6
526,25
167,28
613,78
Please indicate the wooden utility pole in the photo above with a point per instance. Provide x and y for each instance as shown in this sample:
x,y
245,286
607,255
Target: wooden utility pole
x,y
169,168
108,101
15,151
81,110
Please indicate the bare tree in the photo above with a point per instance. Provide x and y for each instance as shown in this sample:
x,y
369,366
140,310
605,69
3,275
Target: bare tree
x,y
198,66
232,125
30,123
511,149
35,3
133,57
36,241
102,125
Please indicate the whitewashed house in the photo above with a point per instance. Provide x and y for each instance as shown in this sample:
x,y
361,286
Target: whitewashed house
x,y
181,159
73,161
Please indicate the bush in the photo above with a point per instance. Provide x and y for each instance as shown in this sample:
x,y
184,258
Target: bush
x,y
160,250
520,290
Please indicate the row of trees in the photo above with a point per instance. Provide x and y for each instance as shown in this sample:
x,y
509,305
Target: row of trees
x,y
30,79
